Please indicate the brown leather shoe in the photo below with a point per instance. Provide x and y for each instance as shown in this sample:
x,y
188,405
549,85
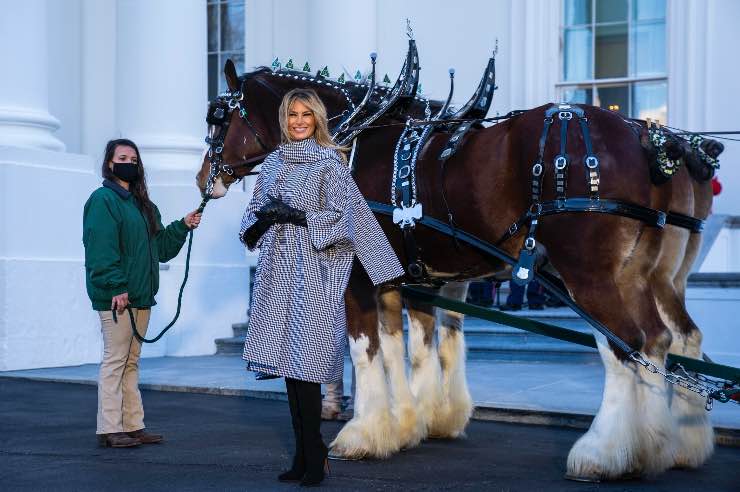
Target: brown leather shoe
x,y
145,437
117,440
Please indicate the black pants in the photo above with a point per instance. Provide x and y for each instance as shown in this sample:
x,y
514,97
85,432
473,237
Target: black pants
x,y
304,399
535,294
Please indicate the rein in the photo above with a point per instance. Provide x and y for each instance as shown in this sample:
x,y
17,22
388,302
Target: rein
x,y
136,333
437,121
220,117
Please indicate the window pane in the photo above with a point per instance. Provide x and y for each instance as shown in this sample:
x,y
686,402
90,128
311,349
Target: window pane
x,y
611,10
611,51
648,9
577,59
238,59
212,28
232,26
577,95
214,72
648,49
615,98
577,12
649,100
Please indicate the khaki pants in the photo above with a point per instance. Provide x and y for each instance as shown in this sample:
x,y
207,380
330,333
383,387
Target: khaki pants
x,y
119,401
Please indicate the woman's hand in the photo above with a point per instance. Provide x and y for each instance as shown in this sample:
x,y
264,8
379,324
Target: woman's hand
x,y
192,220
119,302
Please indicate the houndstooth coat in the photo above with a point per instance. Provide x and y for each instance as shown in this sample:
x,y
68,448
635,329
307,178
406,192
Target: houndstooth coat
x,y
297,325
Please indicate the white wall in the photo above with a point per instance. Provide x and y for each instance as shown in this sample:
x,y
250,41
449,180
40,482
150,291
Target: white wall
x,y
702,82
65,88
45,316
90,68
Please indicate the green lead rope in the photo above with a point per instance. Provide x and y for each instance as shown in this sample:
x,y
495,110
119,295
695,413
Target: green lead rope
x,y
179,296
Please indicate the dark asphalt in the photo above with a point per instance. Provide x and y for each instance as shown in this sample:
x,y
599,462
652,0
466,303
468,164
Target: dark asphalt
x,y
47,443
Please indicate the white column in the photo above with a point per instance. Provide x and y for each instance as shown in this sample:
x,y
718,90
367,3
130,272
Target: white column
x,y
343,35
161,77
24,96
534,45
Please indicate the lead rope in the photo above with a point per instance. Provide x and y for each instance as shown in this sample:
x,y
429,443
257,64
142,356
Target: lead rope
x,y
179,296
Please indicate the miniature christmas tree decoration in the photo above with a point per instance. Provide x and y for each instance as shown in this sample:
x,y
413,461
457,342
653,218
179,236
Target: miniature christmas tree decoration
x,y
289,65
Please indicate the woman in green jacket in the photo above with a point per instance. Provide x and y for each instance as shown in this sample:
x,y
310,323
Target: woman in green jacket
x,y
124,243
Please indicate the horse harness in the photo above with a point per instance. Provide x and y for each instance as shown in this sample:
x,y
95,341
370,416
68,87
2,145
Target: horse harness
x,y
408,209
219,119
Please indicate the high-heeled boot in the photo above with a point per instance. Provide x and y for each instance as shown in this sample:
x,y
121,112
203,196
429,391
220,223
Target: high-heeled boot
x,y
298,470
314,449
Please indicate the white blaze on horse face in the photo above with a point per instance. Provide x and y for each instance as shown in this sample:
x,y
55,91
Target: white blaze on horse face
x,y
219,188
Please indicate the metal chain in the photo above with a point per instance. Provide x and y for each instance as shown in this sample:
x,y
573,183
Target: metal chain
x,y
685,381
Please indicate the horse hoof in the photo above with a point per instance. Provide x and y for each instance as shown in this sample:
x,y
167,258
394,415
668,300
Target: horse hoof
x,y
584,478
339,457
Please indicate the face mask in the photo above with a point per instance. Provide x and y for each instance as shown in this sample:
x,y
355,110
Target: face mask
x,y
126,171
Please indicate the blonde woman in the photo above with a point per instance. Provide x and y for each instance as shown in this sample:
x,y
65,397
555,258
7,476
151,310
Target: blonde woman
x,y
309,220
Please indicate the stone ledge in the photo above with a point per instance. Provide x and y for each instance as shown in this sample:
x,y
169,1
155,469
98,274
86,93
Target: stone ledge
x,y
712,279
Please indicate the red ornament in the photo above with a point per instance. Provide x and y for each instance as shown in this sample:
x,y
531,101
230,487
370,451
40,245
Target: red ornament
x,y
716,186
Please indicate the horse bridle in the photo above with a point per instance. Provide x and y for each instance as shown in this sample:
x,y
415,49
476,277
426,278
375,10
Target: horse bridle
x,y
219,117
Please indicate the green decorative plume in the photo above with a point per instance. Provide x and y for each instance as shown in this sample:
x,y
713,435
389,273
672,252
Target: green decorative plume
x,y
306,67
341,79
276,64
289,65
325,71
386,79
358,76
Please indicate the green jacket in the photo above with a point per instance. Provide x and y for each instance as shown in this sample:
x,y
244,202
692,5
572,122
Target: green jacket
x,y
119,254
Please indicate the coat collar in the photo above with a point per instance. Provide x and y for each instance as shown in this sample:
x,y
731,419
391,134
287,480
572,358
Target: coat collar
x,y
304,151
120,190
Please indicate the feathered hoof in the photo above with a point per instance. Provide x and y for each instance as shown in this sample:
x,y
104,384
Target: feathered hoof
x,y
592,461
695,447
366,438
451,420
411,428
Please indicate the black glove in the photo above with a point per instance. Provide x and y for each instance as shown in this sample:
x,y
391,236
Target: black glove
x,y
277,211
255,232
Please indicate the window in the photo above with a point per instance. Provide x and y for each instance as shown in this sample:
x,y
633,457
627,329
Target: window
x,y
614,56
225,40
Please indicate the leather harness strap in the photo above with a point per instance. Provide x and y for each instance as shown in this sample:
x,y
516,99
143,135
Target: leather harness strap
x,y
685,221
561,160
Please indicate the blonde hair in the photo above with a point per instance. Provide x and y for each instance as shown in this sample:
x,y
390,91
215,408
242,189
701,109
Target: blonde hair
x,y
312,102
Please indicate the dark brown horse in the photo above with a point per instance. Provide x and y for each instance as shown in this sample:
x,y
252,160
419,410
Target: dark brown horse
x,y
628,275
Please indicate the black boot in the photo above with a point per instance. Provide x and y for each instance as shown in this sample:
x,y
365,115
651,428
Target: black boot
x,y
314,449
298,470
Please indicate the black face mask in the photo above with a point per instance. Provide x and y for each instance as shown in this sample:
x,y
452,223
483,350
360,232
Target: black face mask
x,y
126,171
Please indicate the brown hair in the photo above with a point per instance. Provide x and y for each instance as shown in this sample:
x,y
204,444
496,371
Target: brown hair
x,y
138,189
312,101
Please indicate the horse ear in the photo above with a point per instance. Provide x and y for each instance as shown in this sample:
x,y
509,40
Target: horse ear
x,y
232,80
